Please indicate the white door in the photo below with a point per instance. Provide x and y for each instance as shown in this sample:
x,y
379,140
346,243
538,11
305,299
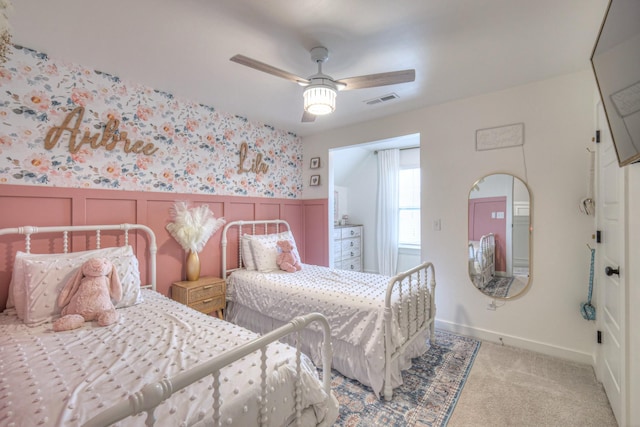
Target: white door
x,y
611,316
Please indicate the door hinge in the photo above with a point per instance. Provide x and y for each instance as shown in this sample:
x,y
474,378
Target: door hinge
x,y
599,338
598,236
598,136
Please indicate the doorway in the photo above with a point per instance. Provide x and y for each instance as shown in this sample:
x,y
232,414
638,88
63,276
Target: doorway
x,y
352,193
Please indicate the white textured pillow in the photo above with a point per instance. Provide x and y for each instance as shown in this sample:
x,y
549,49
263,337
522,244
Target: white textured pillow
x,y
247,256
17,286
129,274
43,282
44,276
265,250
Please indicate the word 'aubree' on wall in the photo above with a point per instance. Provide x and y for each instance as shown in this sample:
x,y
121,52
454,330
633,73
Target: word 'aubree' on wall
x,y
110,136
197,145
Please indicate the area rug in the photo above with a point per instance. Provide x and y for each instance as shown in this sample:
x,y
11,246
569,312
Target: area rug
x,y
498,287
427,397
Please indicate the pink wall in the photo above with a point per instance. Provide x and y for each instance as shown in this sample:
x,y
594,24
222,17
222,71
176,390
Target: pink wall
x,y
482,222
198,157
43,206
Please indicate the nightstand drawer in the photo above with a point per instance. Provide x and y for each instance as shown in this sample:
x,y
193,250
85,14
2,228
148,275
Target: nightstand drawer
x,y
205,292
209,305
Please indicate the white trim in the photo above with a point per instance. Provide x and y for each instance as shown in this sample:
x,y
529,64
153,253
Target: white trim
x,y
513,341
409,249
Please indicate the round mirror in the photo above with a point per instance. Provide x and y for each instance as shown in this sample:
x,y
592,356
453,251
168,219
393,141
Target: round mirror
x,y
500,236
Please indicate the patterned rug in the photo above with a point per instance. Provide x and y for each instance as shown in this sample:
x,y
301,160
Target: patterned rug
x,y
498,287
427,397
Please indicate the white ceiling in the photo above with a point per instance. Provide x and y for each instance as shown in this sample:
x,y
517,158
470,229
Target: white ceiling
x,y
459,48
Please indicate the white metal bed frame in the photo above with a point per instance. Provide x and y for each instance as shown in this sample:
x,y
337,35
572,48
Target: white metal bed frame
x,y
29,230
151,395
412,323
486,258
154,394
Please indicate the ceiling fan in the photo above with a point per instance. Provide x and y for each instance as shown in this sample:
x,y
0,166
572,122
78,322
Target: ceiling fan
x,y
320,89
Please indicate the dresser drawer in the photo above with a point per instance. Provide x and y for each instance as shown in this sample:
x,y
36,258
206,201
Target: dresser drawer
x,y
351,252
349,245
351,232
353,264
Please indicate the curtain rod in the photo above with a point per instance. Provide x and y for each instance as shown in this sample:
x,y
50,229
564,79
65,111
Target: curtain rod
x,y
401,149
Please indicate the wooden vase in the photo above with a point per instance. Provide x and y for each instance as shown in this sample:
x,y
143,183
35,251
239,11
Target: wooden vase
x,y
193,266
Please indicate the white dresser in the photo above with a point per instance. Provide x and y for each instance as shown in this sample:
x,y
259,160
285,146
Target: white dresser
x,y
347,247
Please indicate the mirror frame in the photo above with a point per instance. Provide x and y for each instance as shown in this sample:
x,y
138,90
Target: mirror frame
x,y
526,287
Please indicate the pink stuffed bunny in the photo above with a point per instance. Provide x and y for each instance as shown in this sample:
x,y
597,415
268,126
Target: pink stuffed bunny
x,y
287,259
88,294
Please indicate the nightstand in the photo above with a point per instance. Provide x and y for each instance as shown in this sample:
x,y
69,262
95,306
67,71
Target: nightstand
x,y
207,294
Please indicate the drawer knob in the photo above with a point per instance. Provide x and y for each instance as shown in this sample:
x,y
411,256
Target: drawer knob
x,y
207,301
207,287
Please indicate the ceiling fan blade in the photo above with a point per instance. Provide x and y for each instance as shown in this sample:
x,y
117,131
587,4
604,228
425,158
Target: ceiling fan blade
x,y
261,66
308,117
381,79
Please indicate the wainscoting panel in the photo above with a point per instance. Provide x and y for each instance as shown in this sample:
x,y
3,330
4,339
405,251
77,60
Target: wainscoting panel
x,y
45,206
267,210
316,243
110,211
23,209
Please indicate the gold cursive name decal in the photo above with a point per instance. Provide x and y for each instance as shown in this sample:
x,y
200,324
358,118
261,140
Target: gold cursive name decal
x,y
109,139
257,165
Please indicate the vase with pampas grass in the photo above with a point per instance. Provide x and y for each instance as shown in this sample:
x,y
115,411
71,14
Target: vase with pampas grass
x,y
192,228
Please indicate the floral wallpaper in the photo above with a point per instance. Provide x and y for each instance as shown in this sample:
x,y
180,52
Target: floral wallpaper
x,y
198,147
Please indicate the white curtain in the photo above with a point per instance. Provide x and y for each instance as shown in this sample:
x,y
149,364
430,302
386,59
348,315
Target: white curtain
x,y
387,226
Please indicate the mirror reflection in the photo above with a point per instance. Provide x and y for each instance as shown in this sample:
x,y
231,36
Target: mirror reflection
x,y
499,235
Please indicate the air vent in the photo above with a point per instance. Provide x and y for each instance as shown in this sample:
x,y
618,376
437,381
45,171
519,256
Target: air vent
x,y
383,98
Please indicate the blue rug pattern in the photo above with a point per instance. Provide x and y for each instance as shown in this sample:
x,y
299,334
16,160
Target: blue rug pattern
x,y
498,287
427,396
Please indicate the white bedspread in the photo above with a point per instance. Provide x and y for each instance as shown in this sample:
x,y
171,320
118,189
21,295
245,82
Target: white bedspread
x,y
64,378
353,303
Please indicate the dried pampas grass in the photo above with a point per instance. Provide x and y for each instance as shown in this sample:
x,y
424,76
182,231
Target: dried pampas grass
x,y
192,227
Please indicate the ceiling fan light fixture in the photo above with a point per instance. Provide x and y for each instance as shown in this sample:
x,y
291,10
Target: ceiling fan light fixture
x,y
319,99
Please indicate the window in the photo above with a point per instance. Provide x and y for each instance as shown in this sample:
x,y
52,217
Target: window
x,y
409,207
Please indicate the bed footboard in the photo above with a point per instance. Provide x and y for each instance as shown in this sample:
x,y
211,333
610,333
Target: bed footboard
x,y
154,394
488,261
414,294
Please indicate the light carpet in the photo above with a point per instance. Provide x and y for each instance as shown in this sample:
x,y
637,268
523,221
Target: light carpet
x,y
519,388
428,395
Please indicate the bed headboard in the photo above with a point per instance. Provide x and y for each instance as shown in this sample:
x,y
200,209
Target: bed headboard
x,y
233,232
28,231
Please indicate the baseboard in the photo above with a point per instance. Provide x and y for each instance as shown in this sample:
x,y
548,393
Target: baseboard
x,y
538,347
